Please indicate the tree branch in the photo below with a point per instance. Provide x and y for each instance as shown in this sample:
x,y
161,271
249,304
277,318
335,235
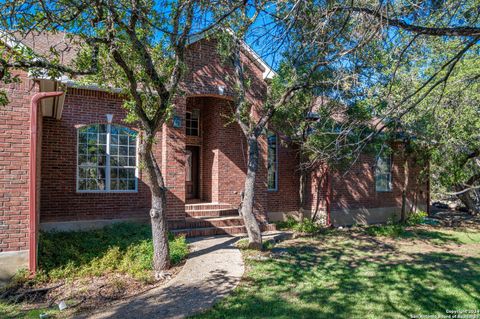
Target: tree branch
x,y
431,31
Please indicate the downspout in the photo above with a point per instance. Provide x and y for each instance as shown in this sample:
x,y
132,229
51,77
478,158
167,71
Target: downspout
x,y
34,111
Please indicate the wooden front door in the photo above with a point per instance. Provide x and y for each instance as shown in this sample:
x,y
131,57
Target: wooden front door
x,y
192,172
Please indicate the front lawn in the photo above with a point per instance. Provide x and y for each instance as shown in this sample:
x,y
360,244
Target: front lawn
x,y
351,274
90,268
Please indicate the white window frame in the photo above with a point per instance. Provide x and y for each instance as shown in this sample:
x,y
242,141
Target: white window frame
x,y
276,162
389,174
197,112
107,165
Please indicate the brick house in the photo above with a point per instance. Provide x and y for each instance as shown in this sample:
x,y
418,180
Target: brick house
x,y
73,164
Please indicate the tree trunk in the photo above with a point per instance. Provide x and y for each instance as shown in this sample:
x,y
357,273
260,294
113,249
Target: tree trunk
x,y
466,199
251,224
161,252
161,256
302,192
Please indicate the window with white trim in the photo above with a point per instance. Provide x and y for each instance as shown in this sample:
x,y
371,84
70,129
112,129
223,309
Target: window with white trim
x,y
383,173
192,123
272,161
107,159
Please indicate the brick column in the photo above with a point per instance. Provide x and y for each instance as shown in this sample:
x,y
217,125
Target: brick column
x,y
173,162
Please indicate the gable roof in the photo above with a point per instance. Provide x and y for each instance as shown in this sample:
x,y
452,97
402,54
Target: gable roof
x,y
268,72
50,45
66,49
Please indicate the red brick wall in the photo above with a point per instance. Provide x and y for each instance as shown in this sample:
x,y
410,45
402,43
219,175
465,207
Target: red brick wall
x,y
286,198
61,202
173,157
357,188
14,165
209,153
59,199
232,156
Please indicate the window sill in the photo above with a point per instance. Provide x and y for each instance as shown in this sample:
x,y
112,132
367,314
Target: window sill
x,y
107,192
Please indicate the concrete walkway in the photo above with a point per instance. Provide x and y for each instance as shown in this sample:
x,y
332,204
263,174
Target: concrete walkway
x,y
213,269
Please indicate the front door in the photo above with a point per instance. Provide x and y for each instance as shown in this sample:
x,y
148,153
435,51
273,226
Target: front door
x,y
192,172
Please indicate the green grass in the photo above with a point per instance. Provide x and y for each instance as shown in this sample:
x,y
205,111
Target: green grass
x,y
124,247
444,236
13,312
390,230
352,275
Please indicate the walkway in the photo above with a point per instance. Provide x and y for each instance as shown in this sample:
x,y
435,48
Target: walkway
x,y
213,269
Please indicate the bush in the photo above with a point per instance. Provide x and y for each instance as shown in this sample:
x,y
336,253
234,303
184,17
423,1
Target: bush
x,y
307,226
286,224
123,247
389,230
304,226
416,218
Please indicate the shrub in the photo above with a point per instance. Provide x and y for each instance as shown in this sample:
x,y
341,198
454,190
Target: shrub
x,y
123,247
307,226
385,230
304,226
286,224
388,230
416,218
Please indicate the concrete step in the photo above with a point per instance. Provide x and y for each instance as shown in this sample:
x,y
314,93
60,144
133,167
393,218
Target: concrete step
x,y
211,231
212,213
214,222
208,206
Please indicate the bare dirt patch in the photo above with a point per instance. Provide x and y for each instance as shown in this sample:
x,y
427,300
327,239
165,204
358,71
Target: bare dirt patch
x,y
81,295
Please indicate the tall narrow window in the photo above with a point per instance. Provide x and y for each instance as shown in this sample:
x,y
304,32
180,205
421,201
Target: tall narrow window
x,y
383,173
192,122
188,166
107,158
272,160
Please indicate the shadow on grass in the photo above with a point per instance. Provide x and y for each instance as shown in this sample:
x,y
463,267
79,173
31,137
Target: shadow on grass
x,y
347,281
435,237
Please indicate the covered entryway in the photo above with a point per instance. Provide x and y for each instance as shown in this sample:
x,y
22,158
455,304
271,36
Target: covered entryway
x,y
215,162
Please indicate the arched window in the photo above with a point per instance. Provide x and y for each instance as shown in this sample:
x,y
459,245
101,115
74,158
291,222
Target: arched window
x,y
107,159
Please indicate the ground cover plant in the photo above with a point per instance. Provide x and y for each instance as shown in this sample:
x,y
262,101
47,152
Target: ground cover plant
x,y
87,269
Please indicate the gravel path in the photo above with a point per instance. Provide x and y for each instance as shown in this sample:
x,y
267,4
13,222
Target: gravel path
x,y
213,269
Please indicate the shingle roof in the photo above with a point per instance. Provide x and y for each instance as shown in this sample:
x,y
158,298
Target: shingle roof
x,y
50,45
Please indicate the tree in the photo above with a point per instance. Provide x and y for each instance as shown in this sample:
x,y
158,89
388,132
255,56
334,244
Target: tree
x,y
306,71
399,34
446,124
136,46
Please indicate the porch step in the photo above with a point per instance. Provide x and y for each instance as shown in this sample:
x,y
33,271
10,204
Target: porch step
x,y
212,212
214,222
207,206
211,231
